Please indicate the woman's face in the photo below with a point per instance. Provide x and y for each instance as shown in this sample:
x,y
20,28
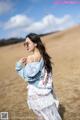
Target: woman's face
x,y
29,45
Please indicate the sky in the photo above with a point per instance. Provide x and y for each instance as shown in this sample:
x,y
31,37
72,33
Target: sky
x,y
20,17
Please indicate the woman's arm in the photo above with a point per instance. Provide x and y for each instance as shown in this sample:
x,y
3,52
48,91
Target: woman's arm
x,y
20,66
30,71
22,63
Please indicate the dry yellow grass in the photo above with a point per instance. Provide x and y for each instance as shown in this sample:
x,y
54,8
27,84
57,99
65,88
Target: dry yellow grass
x,y
64,48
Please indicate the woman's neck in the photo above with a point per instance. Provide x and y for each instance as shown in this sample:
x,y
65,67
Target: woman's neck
x,y
37,54
36,51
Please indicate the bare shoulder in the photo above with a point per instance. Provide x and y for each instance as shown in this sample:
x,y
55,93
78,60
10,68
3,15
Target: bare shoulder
x,y
33,58
30,59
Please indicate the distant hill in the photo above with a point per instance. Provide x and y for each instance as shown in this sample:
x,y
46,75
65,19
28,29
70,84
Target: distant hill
x,y
10,41
49,33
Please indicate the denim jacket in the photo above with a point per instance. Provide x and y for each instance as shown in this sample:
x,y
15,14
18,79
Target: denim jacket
x,y
34,73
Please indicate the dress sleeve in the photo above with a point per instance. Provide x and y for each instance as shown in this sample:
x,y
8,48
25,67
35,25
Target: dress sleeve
x,y
29,72
32,69
19,67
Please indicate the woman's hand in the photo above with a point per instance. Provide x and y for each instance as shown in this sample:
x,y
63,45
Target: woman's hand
x,y
23,60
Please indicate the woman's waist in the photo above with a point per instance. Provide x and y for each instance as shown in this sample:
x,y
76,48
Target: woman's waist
x,y
37,96
41,84
33,90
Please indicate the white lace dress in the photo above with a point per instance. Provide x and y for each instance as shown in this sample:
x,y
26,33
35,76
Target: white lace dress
x,y
43,102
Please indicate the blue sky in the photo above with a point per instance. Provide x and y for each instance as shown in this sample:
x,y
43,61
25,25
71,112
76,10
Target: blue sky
x,y
20,17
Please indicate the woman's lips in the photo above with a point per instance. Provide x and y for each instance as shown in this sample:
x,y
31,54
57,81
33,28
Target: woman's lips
x,y
27,48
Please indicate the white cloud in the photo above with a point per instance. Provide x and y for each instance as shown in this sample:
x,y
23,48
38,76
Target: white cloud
x,y
51,23
17,21
5,6
22,24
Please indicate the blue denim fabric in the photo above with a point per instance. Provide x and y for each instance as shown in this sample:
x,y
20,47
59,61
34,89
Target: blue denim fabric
x,y
32,72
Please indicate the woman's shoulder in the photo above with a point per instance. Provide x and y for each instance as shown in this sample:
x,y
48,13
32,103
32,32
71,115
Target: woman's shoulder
x,y
33,58
30,59
33,68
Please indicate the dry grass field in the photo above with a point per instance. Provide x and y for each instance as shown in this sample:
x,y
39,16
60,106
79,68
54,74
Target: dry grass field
x,y
64,48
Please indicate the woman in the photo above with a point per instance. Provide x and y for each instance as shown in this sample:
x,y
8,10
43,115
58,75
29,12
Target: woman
x,y
36,69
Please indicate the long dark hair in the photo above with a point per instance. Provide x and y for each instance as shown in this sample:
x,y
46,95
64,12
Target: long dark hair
x,y
35,38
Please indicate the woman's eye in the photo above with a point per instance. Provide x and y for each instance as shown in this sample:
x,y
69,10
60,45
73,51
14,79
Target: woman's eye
x,y
26,44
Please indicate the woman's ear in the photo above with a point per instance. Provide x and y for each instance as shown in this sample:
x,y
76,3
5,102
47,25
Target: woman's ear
x,y
35,44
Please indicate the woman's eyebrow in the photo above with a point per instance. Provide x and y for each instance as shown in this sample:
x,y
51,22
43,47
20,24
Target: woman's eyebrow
x,y
24,43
